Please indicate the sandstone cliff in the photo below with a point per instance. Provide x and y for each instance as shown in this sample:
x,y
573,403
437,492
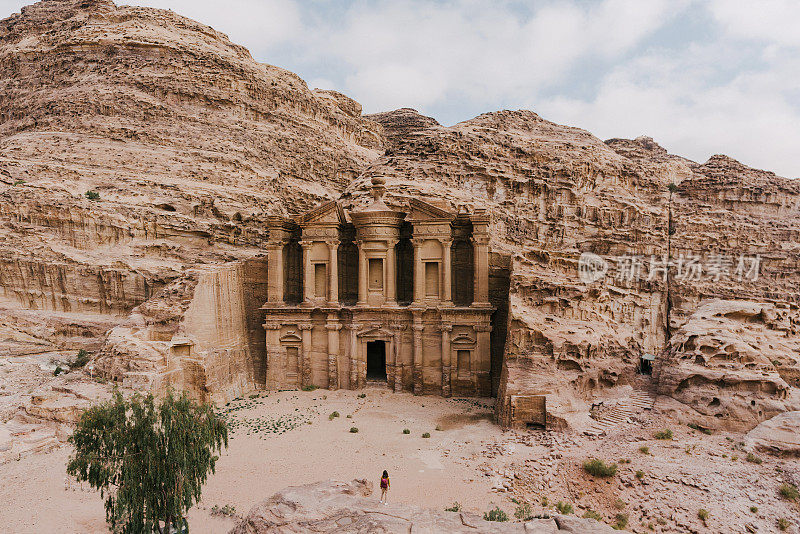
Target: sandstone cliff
x,y
190,144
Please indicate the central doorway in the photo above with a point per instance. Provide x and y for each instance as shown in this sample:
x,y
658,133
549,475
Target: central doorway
x,y
376,360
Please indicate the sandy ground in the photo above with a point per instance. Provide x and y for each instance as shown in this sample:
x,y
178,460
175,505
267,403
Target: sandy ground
x,y
287,438
429,471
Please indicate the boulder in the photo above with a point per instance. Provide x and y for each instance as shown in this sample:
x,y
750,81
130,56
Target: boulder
x,y
779,435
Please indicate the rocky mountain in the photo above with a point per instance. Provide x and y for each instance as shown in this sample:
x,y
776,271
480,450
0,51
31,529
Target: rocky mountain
x,y
186,145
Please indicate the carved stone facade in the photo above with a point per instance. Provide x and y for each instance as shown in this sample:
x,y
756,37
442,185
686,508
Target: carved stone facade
x,y
377,299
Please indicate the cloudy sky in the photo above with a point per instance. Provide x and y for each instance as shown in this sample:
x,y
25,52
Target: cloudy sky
x,y
701,77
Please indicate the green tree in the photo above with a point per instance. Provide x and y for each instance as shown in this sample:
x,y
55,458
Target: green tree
x,y
150,461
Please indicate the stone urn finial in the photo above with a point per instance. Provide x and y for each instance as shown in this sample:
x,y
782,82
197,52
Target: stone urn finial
x,y
378,187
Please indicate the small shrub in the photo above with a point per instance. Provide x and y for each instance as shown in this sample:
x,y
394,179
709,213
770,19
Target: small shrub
x,y
663,434
309,388
734,458
621,522
591,514
703,514
81,359
93,195
624,460
644,449
699,428
599,468
426,435
672,187
353,430
640,474
754,509
58,370
789,492
495,514
619,504
19,182
564,508
753,459
783,523
439,428
227,510
406,431
362,396
455,508
545,503
524,512
333,416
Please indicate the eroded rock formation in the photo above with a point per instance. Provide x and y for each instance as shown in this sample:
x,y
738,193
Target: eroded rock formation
x,y
190,145
347,507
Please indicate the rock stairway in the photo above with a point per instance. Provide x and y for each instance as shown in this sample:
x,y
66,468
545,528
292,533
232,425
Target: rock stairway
x,y
637,402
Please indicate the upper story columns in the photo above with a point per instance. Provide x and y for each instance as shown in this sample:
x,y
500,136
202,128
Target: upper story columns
x,y
480,240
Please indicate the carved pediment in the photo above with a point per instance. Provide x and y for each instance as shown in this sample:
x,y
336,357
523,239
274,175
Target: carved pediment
x,y
329,213
375,332
291,337
424,211
463,339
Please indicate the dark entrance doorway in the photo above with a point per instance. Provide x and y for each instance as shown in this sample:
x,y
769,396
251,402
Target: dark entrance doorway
x,y
376,360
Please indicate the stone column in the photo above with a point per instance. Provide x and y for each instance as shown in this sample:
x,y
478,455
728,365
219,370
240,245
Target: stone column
x,y
391,273
418,382
446,272
305,363
275,272
354,356
447,357
419,272
333,328
333,272
362,274
274,372
308,276
481,247
481,364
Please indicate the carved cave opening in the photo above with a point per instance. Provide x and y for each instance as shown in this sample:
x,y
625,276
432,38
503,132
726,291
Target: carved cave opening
x,y
348,271
404,254
376,360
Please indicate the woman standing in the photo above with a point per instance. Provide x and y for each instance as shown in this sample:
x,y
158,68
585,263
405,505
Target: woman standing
x,y
384,487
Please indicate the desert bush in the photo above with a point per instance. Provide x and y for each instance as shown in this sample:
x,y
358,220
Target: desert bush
x,y
621,522
663,434
362,396
545,503
619,504
455,508
495,514
703,514
591,514
789,492
58,370
93,195
599,468
699,428
439,428
783,524
406,431
19,182
754,509
333,416
753,459
564,508
309,388
227,510
644,449
640,474
353,430
524,512
80,360
426,435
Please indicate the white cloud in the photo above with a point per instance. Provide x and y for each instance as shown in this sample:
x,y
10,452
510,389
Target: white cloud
x,y
771,21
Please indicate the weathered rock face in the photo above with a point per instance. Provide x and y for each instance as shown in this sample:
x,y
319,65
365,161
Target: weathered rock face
x,y
188,141
344,507
734,363
779,435
191,144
